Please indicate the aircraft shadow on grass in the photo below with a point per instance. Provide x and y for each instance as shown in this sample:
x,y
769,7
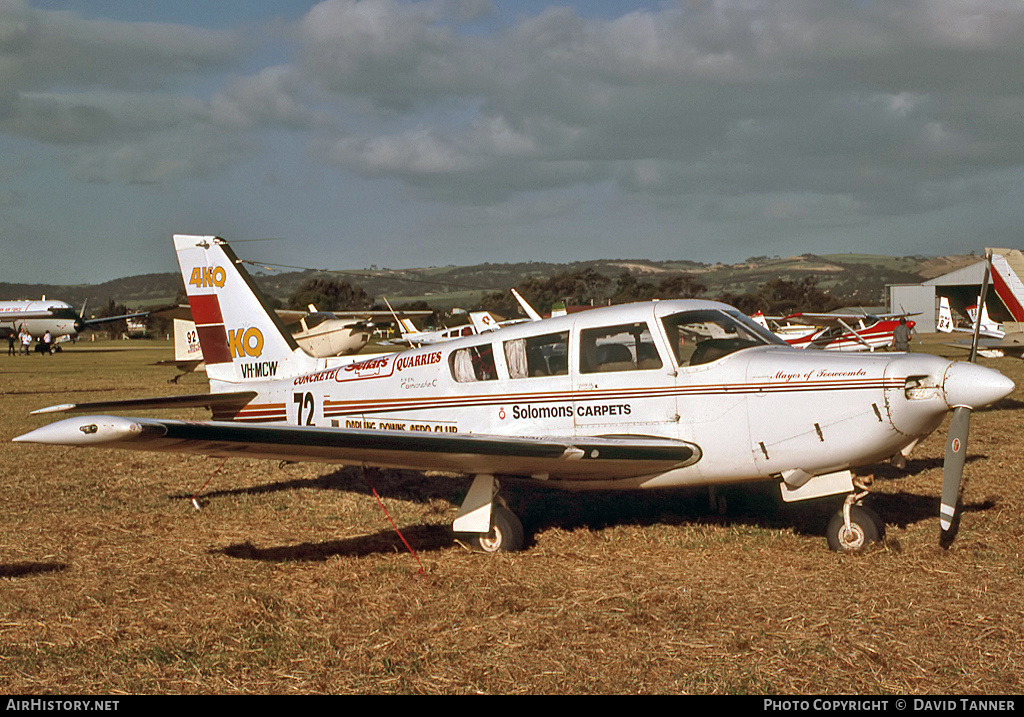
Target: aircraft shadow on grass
x,y
29,568
543,508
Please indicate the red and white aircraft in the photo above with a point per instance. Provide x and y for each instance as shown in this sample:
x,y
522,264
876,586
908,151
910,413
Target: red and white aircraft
x,y
834,331
649,395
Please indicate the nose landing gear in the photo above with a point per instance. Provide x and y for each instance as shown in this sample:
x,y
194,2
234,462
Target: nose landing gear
x,y
855,527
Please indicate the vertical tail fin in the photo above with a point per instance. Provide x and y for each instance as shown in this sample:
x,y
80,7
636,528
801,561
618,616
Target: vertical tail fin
x,y
186,341
945,322
483,321
241,337
1007,275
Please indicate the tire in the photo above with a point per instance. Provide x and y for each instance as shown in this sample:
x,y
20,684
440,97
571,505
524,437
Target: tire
x,y
506,533
865,528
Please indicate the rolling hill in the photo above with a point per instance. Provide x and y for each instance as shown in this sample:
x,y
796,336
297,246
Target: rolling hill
x,y
855,278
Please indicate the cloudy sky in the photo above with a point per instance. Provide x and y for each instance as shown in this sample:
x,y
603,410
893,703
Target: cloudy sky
x,y
405,133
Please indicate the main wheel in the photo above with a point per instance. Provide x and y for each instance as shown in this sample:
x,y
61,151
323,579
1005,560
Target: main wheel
x,y
865,528
506,532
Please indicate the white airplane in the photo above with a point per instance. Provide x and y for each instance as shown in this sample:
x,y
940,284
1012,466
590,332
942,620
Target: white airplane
x,y
649,395
46,315
993,340
327,333
834,331
988,328
480,322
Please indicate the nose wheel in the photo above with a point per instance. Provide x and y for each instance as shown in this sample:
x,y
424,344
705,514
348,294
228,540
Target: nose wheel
x,y
855,527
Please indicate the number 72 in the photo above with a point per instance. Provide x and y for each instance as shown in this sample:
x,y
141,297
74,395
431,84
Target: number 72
x,y
303,403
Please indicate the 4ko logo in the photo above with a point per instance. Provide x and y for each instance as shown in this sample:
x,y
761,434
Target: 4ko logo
x,y
203,276
245,342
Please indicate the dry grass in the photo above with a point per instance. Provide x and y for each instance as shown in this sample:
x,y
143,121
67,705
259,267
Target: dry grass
x,y
290,580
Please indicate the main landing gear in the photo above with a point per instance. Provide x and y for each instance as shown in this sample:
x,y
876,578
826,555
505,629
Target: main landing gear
x,y
490,523
491,527
855,526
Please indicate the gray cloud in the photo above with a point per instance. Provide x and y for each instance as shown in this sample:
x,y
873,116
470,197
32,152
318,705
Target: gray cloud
x,y
865,102
759,119
41,50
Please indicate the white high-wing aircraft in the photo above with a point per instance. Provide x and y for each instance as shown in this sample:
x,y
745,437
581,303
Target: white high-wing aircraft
x,y
46,315
480,322
649,395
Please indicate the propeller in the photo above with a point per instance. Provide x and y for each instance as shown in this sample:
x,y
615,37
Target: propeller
x,y
80,321
951,505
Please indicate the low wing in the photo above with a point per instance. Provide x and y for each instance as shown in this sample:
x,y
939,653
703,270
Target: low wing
x,y
107,319
192,400
1012,344
1007,343
571,458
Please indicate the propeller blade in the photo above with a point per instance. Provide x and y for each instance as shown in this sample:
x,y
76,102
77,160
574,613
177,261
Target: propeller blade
x,y
956,444
952,474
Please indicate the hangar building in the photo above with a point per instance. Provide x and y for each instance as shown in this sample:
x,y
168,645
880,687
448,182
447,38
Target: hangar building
x,y
1004,299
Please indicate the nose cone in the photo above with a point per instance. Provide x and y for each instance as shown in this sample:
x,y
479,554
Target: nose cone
x,y
974,386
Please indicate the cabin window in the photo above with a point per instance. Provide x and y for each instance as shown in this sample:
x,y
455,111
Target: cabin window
x,y
538,355
475,363
705,335
628,347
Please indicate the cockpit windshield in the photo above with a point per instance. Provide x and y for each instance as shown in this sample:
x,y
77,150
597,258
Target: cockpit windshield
x,y
705,335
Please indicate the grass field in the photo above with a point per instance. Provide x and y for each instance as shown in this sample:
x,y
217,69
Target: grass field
x,y
291,579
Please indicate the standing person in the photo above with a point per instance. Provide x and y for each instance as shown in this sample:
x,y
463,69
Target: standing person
x,y
10,343
47,339
26,341
901,336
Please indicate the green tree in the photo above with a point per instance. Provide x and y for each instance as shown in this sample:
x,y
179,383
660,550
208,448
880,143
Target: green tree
x,y
628,288
782,296
680,286
116,328
328,294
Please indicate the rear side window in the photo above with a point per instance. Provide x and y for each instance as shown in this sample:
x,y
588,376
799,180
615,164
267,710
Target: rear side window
x,y
626,347
475,363
538,355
